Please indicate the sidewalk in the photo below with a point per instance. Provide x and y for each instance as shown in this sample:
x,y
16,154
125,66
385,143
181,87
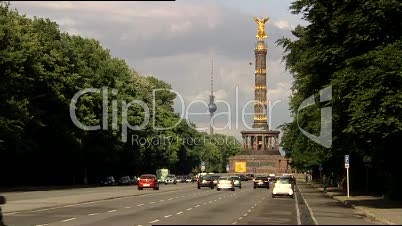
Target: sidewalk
x,y
376,208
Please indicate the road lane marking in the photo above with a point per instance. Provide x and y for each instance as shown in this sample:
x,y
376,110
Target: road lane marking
x,y
220,198
183,196
140,204
168,216
234,222
41,225
93,214
240,218
308,207
297,210
197,206
249,211
177,197
151,222
161,200
151,202
245,215
111,211
205,203
69,219
210,202
179,213
189,208
170,199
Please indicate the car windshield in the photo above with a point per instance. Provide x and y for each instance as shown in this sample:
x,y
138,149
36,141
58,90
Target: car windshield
x,y
235,178
283,181
260,178
205,178
147,177
225,178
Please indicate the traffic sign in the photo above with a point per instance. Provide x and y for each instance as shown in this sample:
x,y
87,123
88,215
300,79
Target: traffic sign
x,y
202,168
347,161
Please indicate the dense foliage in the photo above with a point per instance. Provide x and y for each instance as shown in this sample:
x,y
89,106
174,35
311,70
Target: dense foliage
x,y
355,47
41,68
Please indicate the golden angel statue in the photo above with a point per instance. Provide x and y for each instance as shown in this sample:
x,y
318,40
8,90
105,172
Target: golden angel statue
x,y
261,33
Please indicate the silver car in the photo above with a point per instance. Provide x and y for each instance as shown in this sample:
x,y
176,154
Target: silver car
x,y
225,182
237,181
171,179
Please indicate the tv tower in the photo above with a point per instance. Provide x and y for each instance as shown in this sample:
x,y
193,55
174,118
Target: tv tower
x,y
211,106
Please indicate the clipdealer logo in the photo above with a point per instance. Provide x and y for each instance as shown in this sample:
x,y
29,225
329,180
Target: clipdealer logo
x,y
325,137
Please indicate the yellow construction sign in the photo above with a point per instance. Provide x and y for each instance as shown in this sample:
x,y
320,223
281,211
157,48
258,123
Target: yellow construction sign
x,y
240,167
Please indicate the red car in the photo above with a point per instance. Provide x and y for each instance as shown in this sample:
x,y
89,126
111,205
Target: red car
x,y
148,181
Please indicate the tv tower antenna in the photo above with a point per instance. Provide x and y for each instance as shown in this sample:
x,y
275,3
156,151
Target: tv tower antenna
x,y
211,106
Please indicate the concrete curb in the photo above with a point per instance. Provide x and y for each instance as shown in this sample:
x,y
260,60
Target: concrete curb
x,y
347,203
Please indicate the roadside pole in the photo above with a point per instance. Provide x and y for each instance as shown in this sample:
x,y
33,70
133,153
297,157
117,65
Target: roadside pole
x,y
347,178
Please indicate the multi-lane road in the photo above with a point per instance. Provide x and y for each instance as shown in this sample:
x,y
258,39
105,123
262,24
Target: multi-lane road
x,y
185,204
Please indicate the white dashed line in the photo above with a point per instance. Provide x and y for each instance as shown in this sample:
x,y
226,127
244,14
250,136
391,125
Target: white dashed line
x,y
111,211
177,197
183,196
197,206
210,202
297,210
93,214
205,203
151,222
245,215
249,211
234,222
189,208
170,199
41,225
127,207
309,208
140,204
161,200
215,200
168,216
179,213
151,202
240,218
69,219
220,198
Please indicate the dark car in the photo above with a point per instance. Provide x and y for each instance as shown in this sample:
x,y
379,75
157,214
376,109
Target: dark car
x,y
250,176
243,177
215,178
148,181
261,182
134,180
125,180
107,181
205,181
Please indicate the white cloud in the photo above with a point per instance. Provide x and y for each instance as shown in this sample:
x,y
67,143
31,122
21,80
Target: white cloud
x,y
281,24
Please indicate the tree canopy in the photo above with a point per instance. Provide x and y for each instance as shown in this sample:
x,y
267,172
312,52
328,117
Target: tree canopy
x,y
41,69
355,48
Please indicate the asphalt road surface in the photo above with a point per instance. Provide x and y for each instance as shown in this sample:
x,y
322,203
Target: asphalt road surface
x,y
191,206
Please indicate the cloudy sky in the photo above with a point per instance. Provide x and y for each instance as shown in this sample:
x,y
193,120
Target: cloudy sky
x,y
175,42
